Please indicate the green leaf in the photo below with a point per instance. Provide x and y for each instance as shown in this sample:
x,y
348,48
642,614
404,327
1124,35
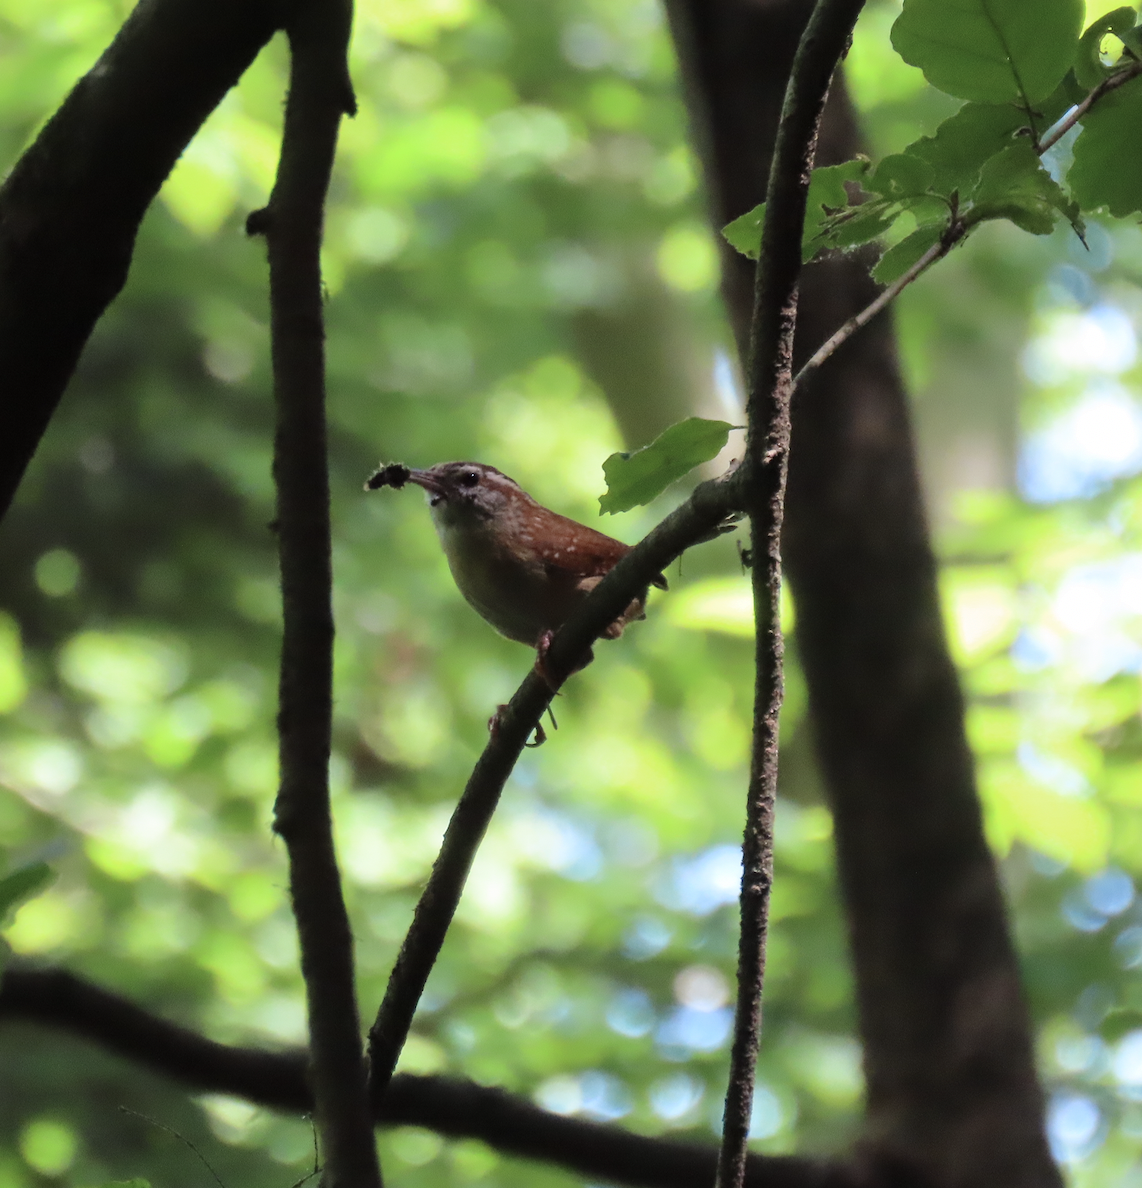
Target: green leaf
x,y
962,144
990,51
901,176
1090,70
827,194
1107,169
852,227
637,478
22,885
1013,185
744,233
897,260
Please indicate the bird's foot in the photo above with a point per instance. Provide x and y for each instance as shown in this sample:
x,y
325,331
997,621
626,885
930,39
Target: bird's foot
x,y
540,733
542,647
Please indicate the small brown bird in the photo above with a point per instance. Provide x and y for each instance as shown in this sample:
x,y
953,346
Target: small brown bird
x,y
523,567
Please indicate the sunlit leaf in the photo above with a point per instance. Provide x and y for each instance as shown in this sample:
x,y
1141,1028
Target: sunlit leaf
x,y
634,479
827,194
855,226
900,175
1090,70
991,51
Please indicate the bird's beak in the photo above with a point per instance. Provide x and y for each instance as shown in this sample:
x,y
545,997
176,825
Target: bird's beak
x,y
426,479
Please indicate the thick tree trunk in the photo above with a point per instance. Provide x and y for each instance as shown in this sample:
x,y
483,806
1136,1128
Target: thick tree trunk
x,y
953,1097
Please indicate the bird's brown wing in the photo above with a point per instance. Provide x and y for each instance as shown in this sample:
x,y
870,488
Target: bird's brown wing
x,y
572,549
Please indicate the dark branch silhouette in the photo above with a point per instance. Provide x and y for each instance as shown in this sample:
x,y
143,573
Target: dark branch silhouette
x,y
71,207
319,95
451,1107
769,379
949,1061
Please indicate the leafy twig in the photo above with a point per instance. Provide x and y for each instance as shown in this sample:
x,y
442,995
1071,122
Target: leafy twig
x,y
319,94
770,385
957,231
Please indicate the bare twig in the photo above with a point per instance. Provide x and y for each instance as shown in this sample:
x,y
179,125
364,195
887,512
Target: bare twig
x,y
1055,134
181,1138
685,526
512,1125
320,93
936,252
770,384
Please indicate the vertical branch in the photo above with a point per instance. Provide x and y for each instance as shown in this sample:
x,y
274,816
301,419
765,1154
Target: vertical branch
x,y
320,93
767,456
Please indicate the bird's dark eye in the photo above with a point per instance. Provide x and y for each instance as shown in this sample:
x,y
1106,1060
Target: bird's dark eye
x,y
469,478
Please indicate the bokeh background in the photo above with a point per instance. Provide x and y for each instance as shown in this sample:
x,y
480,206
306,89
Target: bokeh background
x,y
520,270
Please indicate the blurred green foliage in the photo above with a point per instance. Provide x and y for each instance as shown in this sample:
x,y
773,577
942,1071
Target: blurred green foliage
x,y
519,271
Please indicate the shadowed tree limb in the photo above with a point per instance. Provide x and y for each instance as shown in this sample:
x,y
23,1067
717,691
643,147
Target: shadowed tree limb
x,y
949,1062
769,383
319,95
454,1108
71,207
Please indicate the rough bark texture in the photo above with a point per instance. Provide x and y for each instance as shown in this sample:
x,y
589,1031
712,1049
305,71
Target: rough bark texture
x,y
319,94
952,1093
70,209
764,475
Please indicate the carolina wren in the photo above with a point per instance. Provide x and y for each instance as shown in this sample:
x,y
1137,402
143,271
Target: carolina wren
x,y
523,567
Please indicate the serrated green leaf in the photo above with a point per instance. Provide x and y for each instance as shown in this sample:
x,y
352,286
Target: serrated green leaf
x,y
744,233
852,227
1107,169
22,885
897,260
827,193
899,176
1089,67
1013,185
963,142
637,478
990,51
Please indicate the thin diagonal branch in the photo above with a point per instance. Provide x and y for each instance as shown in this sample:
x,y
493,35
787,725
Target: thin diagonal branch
x,y
320,93
277,1080
688,524
859,320
1055,134
769,389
